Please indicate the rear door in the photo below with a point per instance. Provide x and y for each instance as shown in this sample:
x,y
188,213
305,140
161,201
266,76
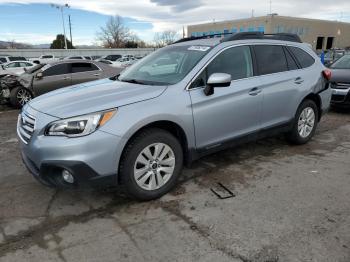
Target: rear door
x,y
85,72
231,112
280,79
54,77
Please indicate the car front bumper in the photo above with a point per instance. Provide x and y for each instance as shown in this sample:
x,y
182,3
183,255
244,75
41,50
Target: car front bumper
x,y
340,97
93,160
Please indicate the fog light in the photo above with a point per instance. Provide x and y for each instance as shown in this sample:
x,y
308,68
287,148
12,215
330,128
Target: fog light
x,y
67,176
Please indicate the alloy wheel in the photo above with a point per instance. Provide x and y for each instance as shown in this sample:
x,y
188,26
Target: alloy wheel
x,y
306,122
23,96
154,166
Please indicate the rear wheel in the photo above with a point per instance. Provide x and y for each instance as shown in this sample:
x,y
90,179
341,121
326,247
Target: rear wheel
x,y
19,96
151,164
305,123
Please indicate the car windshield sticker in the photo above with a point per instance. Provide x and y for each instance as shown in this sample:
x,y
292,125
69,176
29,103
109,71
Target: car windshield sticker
x,y
199,48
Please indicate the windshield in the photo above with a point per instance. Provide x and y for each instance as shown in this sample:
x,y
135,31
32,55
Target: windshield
x,y
167,66
342,63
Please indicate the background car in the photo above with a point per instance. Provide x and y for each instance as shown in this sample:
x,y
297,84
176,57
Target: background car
x,y
45,78
6,59
333,55
112,57
44,59
17,67
75,58
124,62
340,82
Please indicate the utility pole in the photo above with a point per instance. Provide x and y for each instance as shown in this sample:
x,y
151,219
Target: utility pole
x,y
70,31
270,7
61,7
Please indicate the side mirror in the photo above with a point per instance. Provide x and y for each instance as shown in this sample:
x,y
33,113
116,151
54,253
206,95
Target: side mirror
x,y
217,80
39,75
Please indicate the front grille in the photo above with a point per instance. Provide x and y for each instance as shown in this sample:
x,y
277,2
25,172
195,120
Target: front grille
x,y
341,85
25,127
338,98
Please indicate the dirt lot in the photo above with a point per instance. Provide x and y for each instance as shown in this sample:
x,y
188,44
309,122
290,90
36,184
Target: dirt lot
x,y
290,204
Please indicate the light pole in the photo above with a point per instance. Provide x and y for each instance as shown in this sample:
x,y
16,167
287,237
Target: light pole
x,y
61,7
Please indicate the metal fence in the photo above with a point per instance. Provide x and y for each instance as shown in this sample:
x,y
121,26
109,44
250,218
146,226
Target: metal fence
x,y
33,53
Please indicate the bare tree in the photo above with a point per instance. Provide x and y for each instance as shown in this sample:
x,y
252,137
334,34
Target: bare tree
x,y
114,34
165,38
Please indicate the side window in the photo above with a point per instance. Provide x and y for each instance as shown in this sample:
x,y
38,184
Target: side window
x,y
292,65
83,67
3,60
304,59
235,61
270,59
13,65
57,70
24,64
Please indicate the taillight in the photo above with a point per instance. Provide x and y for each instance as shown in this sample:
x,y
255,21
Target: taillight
x,y
327,74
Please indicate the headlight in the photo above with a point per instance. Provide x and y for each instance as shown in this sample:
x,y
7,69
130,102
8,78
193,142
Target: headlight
x,y
80,125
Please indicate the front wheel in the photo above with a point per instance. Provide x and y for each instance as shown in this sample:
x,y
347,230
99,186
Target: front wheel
x,y
19,96
305,123
151,164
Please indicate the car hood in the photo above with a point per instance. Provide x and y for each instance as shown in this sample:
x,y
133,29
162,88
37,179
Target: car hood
x,y
92,97
340,75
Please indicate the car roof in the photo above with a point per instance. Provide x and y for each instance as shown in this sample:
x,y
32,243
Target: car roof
x,y
21,61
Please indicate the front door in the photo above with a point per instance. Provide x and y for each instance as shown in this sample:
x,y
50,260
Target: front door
x,y
231,112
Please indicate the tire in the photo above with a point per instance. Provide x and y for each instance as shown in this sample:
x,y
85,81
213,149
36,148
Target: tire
x,y
302,130
139,174
19,96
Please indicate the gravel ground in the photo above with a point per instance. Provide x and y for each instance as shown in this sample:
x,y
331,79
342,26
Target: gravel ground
x,y
290,204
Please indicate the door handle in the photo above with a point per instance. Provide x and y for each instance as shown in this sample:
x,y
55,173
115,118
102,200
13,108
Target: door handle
x,y
255,91
298,80
66,78
96,74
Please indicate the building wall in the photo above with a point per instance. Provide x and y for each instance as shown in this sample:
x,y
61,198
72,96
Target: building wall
x,y
309,30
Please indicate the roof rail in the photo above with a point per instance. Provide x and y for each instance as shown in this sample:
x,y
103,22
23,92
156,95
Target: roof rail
x,y
191,38
261,35
245,36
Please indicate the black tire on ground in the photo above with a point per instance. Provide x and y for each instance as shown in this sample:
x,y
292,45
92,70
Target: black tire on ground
x,y
15,102
132,151
294,136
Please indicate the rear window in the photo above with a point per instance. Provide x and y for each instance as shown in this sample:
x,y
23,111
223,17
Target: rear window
x,y
3,59
83,67
304,59
270,59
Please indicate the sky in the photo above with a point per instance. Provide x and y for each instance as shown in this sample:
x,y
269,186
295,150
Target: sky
x,y
36,22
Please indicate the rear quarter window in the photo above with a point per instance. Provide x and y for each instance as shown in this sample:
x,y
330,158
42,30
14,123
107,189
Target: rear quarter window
x,y
305,60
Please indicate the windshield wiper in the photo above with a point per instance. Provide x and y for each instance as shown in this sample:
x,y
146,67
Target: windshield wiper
x,y
133,81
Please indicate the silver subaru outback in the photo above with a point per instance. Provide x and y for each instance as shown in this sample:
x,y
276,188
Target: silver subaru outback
x,y
182,102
